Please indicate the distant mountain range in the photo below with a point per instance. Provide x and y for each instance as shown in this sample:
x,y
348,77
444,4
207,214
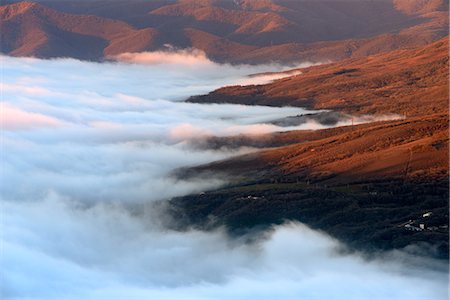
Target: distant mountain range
x,y
227,31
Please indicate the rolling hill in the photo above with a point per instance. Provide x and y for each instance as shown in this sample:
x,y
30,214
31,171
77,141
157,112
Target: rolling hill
x,y
362,183
412,82
228,31
31,29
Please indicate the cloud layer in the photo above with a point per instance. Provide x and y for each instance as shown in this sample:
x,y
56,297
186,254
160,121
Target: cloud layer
x,y
75,134
192,57
198,62
86,149
55,249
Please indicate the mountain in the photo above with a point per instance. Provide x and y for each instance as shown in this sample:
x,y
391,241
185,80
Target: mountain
x,y
412,82
31,29
360,184
228,31
409,84
407,150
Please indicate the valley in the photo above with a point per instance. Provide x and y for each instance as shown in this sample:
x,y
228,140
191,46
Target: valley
x,y
224,149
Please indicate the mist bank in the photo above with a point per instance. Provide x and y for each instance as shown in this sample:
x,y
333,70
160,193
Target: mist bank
x,y
124,127
55,249
87,149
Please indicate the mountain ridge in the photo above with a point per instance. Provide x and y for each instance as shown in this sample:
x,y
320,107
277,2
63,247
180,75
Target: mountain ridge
x,y
252,31
412,82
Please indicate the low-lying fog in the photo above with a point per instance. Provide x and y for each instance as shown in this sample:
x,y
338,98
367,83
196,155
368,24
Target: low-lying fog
x,y
83,142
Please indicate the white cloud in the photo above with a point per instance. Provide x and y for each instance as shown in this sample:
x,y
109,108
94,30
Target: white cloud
x,y
13,118
197,61
78,220
267,78
107,252
193,57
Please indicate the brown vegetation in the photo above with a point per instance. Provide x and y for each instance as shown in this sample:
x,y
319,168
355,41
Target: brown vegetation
x,y
408,150
412,82
232,31
31,29
360,184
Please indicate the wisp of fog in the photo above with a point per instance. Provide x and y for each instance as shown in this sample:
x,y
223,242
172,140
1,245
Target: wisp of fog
x,y
82,142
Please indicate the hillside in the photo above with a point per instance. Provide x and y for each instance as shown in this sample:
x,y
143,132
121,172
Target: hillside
x,y
228,31
412,82
362,183
406,150
31,29
359,184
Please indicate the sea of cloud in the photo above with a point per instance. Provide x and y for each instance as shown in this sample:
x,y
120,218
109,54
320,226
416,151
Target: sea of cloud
x,y
83,143
113,131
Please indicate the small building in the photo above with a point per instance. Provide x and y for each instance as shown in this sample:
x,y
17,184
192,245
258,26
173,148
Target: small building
x,y
427,214
412,228
422,226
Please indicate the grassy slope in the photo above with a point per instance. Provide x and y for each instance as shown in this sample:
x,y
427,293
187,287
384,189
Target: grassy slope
x,y
410,150
412,82
257,32
359,184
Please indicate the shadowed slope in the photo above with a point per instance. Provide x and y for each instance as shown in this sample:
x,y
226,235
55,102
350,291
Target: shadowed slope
x,y
31,29
361,186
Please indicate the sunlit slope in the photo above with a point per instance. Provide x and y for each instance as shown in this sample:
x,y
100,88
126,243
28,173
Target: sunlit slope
x,y
227,31
405,150
32,29
411,82
362,183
